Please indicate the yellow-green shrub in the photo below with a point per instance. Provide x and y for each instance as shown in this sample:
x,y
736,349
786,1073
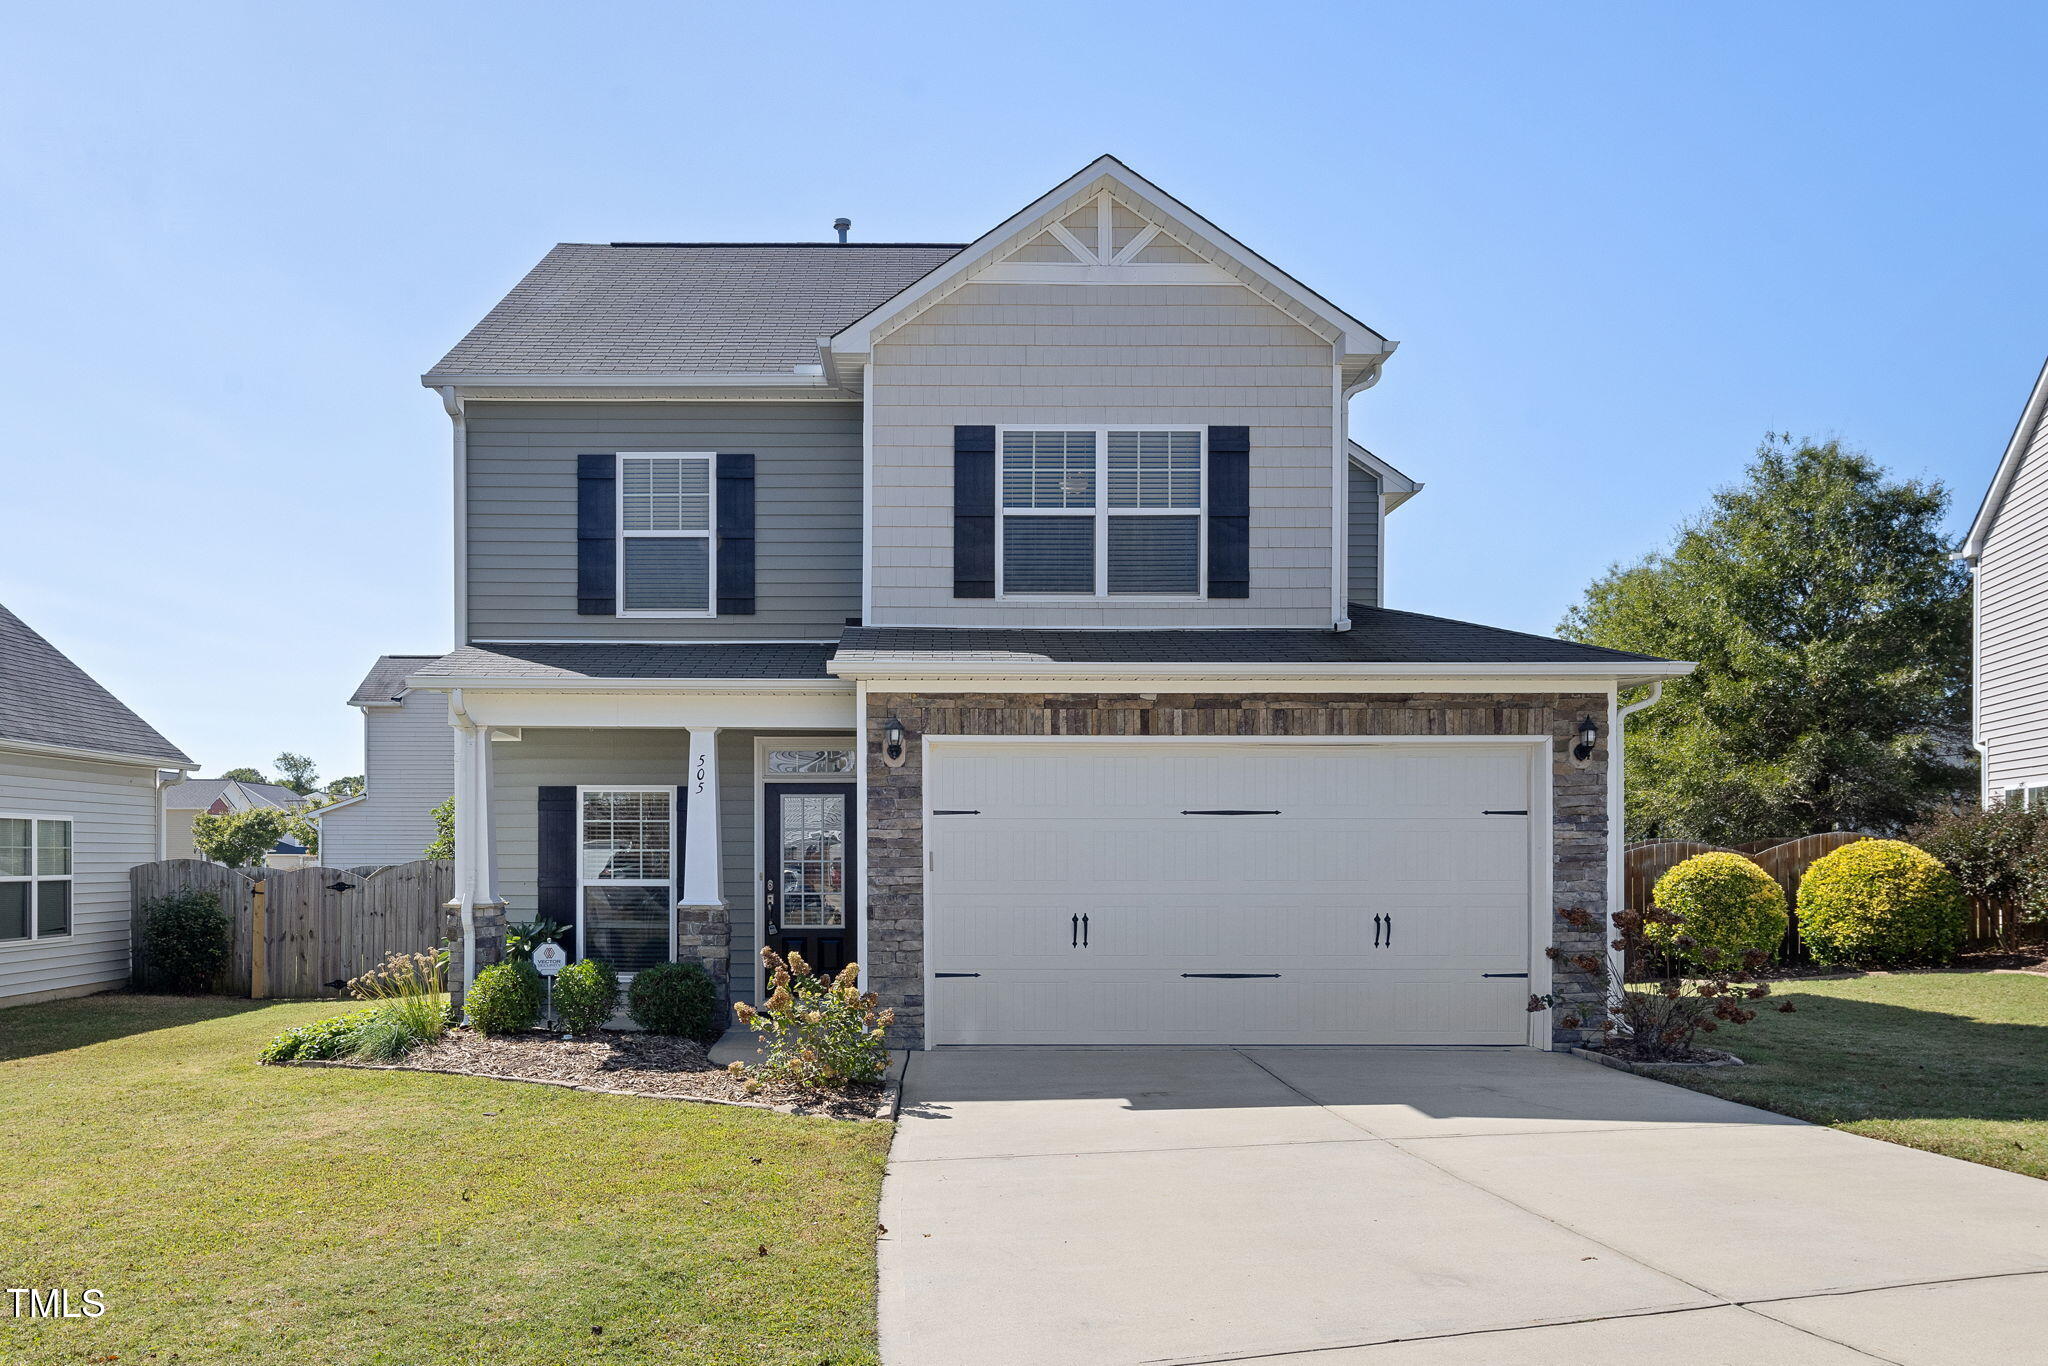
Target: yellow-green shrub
x,y
1727,908
1881,903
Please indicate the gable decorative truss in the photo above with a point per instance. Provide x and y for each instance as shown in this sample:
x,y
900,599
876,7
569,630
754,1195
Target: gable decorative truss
x,y
1108,224
2008,468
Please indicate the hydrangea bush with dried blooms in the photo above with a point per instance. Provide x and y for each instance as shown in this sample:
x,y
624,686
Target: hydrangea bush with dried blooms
x,y
1660,1020
819,1031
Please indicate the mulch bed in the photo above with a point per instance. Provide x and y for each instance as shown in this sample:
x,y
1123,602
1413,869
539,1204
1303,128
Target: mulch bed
x,y
652,1065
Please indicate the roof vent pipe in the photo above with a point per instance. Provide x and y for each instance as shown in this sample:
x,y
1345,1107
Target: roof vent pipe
x,y
840,225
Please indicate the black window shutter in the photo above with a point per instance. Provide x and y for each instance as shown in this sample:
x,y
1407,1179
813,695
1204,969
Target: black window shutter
x,y
1230,509
735,535
597,532
974,512
555,874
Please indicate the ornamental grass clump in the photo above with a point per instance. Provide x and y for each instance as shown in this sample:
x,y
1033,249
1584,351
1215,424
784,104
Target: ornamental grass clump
x,y
1725,907
409,1007
1881,903
819,1031
586,995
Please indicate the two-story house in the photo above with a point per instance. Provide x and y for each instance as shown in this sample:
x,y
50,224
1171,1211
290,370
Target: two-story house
x,y
2007,551
1007,617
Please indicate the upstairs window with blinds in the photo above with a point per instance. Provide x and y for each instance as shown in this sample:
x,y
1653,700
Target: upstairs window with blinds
x,y
666,522
1101,512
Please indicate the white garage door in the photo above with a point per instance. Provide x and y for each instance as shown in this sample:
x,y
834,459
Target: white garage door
x,y
1190,892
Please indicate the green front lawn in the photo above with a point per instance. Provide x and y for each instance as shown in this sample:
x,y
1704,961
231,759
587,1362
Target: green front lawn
x,y
236,1213
1954,1062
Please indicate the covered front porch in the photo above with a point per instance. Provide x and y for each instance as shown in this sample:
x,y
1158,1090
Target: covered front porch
x,y
659,820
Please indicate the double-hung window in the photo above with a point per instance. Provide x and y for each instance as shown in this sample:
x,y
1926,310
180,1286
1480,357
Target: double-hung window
x,y
667,519
626,874
1100,512
35,877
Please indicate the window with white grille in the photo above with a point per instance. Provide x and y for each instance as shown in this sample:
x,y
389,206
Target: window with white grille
x,y
667,518
35,878
1101,512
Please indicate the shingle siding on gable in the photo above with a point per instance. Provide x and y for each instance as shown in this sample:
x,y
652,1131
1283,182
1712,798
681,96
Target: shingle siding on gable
x,y
1196,355
2012,664
522,513
1362,541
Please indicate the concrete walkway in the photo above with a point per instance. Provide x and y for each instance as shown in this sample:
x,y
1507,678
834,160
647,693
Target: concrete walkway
x,y
1422,1207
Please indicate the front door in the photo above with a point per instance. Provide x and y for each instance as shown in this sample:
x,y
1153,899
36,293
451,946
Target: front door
x,y
807,888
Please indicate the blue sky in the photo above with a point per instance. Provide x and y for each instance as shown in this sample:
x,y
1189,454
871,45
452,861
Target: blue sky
x,y
1618,242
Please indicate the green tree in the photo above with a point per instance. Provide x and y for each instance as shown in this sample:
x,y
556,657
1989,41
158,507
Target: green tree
x,y
1832,633
245,775
239,839
342,788
444,831
297,772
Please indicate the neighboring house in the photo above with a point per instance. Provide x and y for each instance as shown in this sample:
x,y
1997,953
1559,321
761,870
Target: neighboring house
x,y
79,774
1008,617
186,802
2007,551
408,770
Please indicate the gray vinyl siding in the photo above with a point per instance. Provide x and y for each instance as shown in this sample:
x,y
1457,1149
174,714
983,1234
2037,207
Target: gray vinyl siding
x,y
1362,541
113,810
2012,626
408,770
522,513
1193,355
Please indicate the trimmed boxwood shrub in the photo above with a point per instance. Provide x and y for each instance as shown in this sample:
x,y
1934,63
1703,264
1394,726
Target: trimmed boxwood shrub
x,y
186,938
586,994
1881,903
1727,907
504,998
675,998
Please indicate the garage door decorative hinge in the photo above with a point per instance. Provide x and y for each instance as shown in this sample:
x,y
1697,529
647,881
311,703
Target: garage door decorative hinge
x,y
956,974
1503,974
956,813
1231,975
1504,813
1230,813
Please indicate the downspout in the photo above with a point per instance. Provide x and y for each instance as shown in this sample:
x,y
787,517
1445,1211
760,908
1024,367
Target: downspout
x,y
453,405
1977,680
1617,817
1340,489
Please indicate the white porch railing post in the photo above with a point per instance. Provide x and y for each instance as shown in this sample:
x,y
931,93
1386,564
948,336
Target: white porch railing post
x,y
701,884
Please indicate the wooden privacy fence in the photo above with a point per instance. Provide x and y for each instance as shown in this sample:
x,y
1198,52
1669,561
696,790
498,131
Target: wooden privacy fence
x,y
304,931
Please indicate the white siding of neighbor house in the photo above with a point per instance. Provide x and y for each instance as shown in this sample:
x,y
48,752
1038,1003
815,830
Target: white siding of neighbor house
x,y
522,513
628,758
409,768
1101,354
113,809
2012,629
1362,544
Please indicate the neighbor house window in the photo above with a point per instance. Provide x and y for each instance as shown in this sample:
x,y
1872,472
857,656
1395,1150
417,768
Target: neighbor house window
x,y
666,522
626,875
1101,512
35,878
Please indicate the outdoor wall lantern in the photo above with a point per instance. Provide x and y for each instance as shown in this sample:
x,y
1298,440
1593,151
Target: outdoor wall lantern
x,y
1588,735
892,743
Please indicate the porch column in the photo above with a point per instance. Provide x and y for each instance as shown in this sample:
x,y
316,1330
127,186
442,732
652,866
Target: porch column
x,y
480,915
702,934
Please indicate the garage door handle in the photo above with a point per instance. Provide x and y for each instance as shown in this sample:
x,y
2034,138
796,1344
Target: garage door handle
x,y
1376,930
1233,976
1084,931
1230,813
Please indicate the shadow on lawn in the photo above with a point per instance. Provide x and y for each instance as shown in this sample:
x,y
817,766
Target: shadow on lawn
x,y
57,1026
1868,1060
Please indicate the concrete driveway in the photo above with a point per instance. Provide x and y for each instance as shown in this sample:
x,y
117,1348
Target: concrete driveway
x,y
1401,1206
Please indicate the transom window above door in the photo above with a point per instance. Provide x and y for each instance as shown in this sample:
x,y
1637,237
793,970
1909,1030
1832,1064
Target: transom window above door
x,y
1101,512
667,517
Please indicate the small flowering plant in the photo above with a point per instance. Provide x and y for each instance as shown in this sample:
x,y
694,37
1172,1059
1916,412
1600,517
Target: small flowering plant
x,y
1660,1020
819,1031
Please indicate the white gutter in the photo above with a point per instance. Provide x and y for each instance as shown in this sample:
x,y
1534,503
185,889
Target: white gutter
x,y
98,756
914,666
452,404
791,379
753,687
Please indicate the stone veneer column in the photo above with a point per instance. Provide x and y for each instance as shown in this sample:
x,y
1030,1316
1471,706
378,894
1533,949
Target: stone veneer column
x,y
895,833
